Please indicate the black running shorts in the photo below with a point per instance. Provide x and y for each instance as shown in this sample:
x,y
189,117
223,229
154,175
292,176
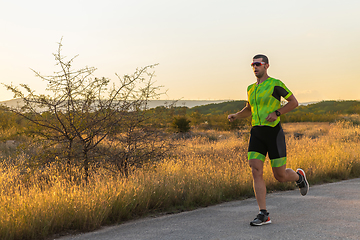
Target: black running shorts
x,y
268,140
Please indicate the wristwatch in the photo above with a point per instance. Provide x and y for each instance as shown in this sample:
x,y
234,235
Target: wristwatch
x,y
277,113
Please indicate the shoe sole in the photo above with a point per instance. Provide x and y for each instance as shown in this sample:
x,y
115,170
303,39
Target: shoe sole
x,y
302,172
260,224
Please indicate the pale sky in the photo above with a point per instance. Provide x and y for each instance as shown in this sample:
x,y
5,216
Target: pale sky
x,y
204,48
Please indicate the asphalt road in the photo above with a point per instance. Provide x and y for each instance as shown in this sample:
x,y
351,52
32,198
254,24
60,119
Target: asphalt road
x,y
329,211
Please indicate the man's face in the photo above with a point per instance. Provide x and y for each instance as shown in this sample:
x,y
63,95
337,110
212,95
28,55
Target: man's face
x,y
261,69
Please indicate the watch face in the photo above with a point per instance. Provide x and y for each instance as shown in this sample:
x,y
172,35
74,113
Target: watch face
x,y
277,113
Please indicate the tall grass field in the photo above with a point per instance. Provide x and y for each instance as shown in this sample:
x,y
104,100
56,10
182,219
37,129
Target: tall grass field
x,y
208,168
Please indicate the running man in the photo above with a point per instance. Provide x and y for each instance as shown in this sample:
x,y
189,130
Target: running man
x,y
267,136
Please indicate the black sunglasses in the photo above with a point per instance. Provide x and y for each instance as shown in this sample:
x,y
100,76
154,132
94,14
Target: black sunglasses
x,y
258,64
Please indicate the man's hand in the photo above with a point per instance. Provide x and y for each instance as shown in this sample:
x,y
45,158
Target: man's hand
x,y
271,117
245,112
232,117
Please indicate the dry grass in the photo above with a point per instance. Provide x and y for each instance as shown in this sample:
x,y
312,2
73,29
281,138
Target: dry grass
x,y
206,169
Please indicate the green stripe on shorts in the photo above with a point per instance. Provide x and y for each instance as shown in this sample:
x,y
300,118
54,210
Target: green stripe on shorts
x,y
256,155
278,162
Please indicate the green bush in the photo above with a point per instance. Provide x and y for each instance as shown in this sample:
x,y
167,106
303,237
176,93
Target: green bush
x,y
181,124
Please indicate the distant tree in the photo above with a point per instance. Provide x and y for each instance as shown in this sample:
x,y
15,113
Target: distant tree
x,y
181,124
196,118
82,112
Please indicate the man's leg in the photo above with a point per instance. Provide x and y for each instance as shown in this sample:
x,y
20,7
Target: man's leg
x,y
283,174
256,166
260,192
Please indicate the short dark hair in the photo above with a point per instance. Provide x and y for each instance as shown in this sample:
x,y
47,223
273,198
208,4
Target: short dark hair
x,y
264,58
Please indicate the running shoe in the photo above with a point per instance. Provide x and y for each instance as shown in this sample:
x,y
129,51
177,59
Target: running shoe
x,y
261,219
303,185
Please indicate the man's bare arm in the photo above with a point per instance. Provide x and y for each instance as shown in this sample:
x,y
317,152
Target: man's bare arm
x,y
290,105
244,113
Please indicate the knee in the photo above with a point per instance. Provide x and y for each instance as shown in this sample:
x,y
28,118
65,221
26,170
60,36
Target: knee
x,y
256,172
256,166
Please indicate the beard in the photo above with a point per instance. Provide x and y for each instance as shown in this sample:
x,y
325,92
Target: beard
x,y
259,74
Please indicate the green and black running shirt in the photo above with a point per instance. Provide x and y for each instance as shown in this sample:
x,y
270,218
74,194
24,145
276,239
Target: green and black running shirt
x,y
265,98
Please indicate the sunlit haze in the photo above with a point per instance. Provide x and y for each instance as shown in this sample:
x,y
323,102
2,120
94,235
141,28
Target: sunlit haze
x,y
204,48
